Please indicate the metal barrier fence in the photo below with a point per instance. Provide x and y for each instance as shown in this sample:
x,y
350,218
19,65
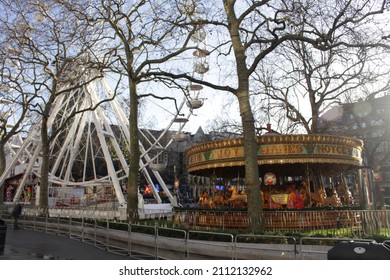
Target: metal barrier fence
x,y
164,242
358,223
265,247
151,242
325,222
217,245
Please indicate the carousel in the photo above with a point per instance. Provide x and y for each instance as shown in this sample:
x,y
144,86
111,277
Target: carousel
x,y
299,175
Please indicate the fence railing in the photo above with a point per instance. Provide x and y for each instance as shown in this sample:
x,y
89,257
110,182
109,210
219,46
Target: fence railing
x,y
325,222
156,242
356,223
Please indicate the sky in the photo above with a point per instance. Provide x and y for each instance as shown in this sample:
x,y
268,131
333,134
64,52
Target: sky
x,y
160,113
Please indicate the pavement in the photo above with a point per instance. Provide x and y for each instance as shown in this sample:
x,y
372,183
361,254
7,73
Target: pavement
x,y
31,245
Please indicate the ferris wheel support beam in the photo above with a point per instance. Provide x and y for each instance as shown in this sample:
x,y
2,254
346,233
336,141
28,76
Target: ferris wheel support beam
x,y
124,124
143,167
122,119
163,185
54,113
150,181
107,156
89,148
109,131
64,106
27,172
63,150
76,144
30,140
60,156
157,140
69,141
157,175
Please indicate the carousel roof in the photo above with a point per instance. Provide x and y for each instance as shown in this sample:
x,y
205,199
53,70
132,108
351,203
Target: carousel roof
x,y
287,152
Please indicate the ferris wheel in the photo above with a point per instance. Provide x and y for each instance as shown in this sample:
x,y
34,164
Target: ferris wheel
x,y
92,148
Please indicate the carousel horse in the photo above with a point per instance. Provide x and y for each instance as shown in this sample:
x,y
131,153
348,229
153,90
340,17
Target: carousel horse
x,y
333,200
318,198
205,201
238,199
344,194
348,198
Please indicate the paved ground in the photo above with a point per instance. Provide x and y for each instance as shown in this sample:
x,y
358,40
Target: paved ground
x,y
30,245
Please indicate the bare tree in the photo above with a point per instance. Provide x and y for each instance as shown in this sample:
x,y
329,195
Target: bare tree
x,y
248,32
55,53
16,96
304,82
146,34
13,106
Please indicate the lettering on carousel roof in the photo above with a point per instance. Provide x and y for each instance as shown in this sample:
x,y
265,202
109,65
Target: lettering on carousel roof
x,y
277,149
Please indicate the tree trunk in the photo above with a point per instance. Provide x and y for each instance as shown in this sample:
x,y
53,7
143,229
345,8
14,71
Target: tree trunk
x,y
132,188
2,169
44,182
255,211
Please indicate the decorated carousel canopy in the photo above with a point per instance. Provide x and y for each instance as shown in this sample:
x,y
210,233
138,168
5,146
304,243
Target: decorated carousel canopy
x,y
287,154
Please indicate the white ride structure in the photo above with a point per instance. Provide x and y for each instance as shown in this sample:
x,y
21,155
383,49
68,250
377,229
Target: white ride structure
x,y
92,149
93,143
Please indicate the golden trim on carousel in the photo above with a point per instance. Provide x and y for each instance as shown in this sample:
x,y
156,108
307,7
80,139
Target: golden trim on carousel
x,y
292,158
277,149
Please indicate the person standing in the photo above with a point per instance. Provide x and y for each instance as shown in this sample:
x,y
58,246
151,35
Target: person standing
x,y
16,212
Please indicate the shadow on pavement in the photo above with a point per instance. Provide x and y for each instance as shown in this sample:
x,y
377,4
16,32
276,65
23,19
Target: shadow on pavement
x,y
30,245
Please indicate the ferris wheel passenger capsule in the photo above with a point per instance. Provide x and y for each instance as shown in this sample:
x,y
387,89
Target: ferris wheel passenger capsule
x,y
195,103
